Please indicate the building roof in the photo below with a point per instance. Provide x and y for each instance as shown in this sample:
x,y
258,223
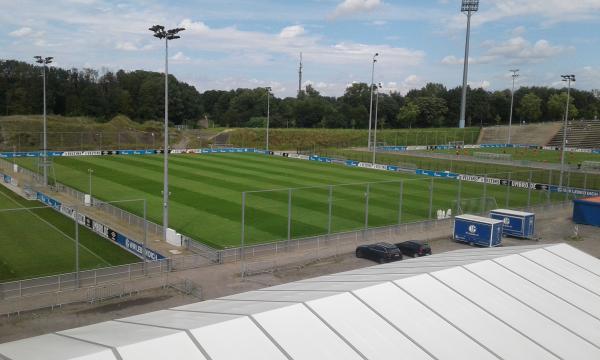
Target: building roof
x,y
526,302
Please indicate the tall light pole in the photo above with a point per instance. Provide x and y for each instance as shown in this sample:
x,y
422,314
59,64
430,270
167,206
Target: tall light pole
x,y
371,101
268,115
568,79
44,61
468,7
160,33
376,118
514,75
90,172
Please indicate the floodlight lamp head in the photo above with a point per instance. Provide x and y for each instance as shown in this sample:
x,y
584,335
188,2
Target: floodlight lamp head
x,y
469,6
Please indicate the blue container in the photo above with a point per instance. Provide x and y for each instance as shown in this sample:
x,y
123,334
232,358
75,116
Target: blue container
x,y
477,230
516,223
587,211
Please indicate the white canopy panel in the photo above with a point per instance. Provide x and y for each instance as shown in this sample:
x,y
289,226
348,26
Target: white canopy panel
x,y
527,302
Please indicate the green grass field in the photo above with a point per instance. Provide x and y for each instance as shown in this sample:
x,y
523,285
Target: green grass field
x,y
589,181
206,193
41,242
530,155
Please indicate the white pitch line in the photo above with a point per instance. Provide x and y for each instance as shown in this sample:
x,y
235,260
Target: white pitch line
x,y
57,229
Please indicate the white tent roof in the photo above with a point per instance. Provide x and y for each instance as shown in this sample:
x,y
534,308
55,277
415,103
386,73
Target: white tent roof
x,y
528,302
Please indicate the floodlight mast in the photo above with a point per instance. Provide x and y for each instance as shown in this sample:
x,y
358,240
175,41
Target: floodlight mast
x,y
515,75
44,61
160,33
568,79
377,88
468,7
371,101
268,88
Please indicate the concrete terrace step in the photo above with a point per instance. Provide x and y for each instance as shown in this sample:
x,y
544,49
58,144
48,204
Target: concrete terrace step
x,y
533,134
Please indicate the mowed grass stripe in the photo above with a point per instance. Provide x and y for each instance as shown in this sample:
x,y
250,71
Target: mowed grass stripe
x,y
224,208
38,242
206,194
306,203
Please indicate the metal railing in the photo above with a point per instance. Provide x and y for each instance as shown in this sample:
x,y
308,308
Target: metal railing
x,y
87,278
260,259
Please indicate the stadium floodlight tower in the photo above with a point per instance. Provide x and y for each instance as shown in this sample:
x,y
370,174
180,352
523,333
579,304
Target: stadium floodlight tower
x,y
268,88
515,75
468,7
44,61
160,33
378,89
568,79
371,102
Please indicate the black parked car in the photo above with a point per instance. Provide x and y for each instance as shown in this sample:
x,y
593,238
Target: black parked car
x,y
380,252
414,248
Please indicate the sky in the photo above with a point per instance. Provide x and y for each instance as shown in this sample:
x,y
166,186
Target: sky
x,y
229,44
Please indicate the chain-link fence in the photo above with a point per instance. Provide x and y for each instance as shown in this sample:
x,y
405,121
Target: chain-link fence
x,y
287,214
81,140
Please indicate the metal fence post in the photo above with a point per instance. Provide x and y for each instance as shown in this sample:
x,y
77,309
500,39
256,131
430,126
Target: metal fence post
x,y
367,207
243,234
458,196
76,249
145,235
508,186
529,186
431,198
566,190
400,199
585,181
485,180
549,184
330,210
289,220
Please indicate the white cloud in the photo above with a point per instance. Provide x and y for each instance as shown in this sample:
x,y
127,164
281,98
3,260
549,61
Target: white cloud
x,y
514,50
351,7
409,83
22,32
126,46
519,49
550,11
180,57
292,31
453,60
518,31
194,27
484,84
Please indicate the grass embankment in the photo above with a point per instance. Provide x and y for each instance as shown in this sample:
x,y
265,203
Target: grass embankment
x,y
311,139
24,133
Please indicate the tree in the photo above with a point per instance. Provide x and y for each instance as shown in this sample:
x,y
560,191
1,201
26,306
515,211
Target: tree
x,y
407,115
557,106
432,111
530,108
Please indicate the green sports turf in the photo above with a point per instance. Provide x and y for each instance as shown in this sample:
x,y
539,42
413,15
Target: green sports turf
x,y
522,173
530,155
206,194
41,242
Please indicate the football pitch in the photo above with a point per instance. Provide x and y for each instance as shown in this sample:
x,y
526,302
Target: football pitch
x,y
549,156
39,242
206,194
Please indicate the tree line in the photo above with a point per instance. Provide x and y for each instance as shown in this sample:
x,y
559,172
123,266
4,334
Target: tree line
x,y
139,95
